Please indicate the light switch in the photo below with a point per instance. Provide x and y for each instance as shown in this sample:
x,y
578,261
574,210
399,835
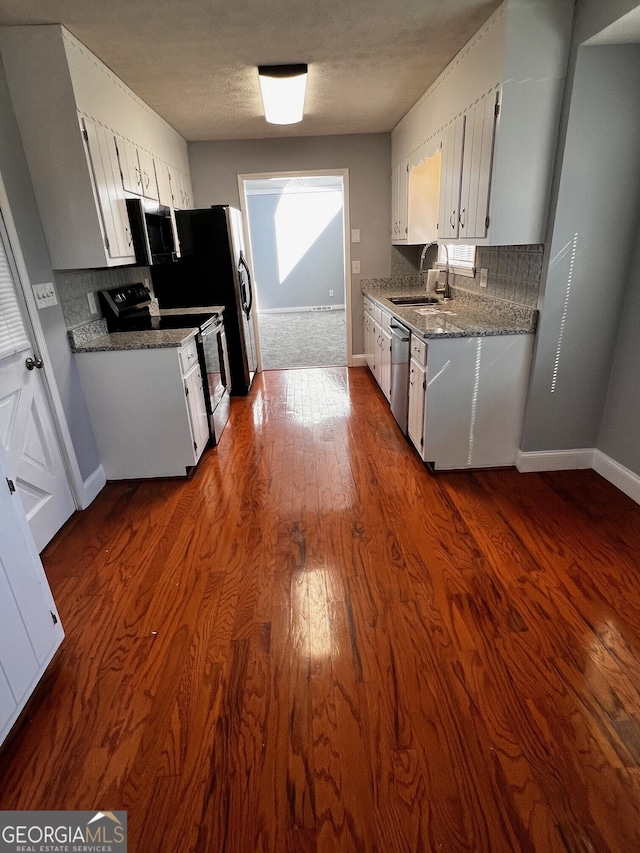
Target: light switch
x,y
45,294
355,267
355,235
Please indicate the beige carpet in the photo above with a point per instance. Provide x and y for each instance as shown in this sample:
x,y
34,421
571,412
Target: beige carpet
x,y
303,339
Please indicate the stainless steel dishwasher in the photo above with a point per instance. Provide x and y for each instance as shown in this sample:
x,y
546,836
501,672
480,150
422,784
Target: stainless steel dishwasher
x,y
400,355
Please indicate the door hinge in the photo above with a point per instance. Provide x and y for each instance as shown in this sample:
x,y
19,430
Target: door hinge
x,y
54,617
422,442
487,221
195,447
424,385
106,243
186,392
11,485
85,134
496,112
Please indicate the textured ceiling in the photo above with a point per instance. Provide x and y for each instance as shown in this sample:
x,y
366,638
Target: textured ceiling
x,y
194,61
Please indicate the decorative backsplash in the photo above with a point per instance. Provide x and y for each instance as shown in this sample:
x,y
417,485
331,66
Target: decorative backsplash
x,y
514,272
74,285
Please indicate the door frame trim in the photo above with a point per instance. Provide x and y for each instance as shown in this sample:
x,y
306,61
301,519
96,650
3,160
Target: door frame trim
x,y
346,213
82,495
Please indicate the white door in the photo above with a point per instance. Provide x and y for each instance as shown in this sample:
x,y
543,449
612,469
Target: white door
x,y
26,427
31,631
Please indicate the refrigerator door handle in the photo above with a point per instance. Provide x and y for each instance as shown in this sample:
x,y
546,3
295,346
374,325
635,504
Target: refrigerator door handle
x,y
247,303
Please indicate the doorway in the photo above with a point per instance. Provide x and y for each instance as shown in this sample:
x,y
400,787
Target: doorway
x,y
297,226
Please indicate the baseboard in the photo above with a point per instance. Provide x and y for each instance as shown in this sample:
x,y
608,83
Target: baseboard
x,y
319,308
554,460
358,360
571,460
93,485
619,476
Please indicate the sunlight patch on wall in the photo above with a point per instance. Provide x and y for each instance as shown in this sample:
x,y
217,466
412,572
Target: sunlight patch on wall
x,y
300,220
565,307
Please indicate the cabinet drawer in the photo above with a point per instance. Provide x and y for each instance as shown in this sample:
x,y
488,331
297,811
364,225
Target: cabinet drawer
x,y
385,320
188,356
419,350
368,306
377,312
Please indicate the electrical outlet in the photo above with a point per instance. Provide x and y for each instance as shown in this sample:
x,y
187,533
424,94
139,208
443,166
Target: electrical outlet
x,y
483,277
45,294
355,267
93,305
331,293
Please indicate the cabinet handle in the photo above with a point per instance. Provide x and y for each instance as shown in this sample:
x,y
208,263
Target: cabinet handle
x,y
139,178
128,233
452,219
146,182
461,217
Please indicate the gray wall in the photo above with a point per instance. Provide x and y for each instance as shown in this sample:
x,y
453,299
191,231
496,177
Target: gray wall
x,y
595,220
319,271
22,203
216,165
619,434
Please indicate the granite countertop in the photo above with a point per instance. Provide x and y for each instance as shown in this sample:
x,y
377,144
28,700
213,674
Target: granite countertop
x,y
153,339
465,315
198,309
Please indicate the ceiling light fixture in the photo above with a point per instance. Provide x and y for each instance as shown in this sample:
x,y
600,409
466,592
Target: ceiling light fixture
x,y
283,89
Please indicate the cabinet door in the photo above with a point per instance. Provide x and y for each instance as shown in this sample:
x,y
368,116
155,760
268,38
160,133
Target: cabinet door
x,y
129,166
385,363
194,392
417,387
147,175
164,186
477,160
31,631
399,202
450,181
110,197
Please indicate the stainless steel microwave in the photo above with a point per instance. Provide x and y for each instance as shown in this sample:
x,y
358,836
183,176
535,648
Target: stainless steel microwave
x,y
152,231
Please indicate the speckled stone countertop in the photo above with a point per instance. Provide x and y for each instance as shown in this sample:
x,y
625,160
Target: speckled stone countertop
x,y
94,336
465,315
153,339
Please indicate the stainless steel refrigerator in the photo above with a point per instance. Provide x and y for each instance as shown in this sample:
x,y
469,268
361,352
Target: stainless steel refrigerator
x,y
213,270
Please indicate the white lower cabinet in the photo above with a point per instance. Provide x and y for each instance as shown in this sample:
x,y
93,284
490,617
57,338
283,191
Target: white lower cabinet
x,y
147,410
417,388
473,402
377,342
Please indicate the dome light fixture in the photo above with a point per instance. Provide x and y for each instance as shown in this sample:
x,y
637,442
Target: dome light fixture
x,y
283,90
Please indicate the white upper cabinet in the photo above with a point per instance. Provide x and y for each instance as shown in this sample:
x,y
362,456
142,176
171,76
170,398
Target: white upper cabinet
x,y
451,178
137,169
479,136
496,169
80,180
101,154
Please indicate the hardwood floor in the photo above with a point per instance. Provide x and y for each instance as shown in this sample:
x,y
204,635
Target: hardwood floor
x,y
315,645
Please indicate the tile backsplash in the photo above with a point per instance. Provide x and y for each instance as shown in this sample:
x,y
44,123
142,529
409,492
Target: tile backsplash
x,y
513,272
74,285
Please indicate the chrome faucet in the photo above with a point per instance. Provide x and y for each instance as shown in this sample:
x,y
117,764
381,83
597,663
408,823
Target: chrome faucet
x,y
445,290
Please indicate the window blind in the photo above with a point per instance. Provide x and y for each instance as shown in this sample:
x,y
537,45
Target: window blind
x,y
460,255
13,335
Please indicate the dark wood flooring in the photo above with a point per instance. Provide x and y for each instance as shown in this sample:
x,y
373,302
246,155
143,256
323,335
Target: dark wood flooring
x,y
315,645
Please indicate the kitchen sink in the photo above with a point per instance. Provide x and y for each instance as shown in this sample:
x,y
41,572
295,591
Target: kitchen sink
x,y
413,300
